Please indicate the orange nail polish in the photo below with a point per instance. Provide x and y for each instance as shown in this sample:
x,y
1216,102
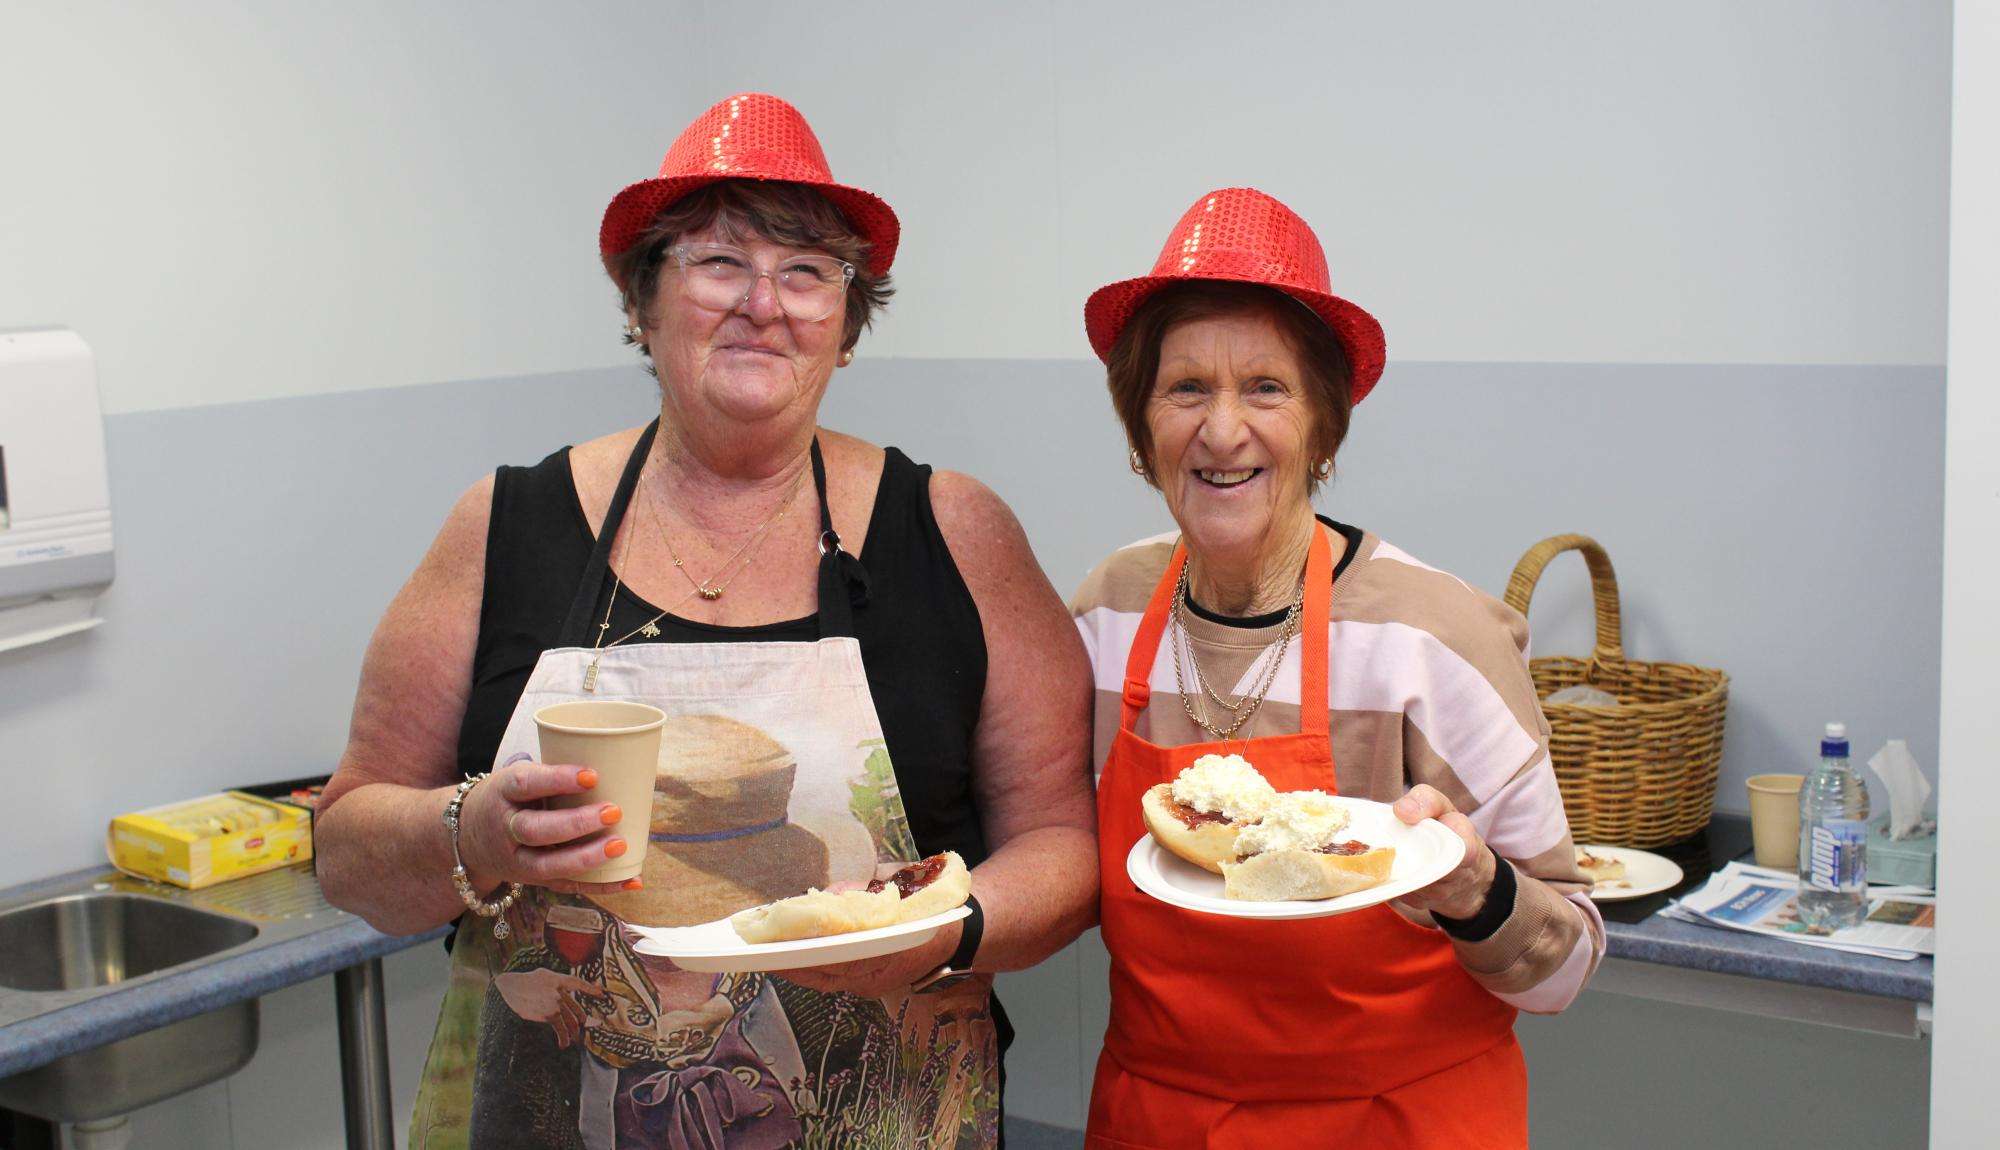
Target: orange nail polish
x,y
610,815
614,848
632,884
586,778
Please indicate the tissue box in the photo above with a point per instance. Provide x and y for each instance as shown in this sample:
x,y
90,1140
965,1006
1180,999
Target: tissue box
x,y
208,840
1901,862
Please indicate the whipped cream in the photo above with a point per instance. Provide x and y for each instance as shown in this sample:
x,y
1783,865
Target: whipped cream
x,y
1295,820
1226,785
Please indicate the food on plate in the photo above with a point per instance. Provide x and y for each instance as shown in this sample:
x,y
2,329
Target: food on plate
x,y
816,914
931,886
1599,868
918,890
1198,815
1297,850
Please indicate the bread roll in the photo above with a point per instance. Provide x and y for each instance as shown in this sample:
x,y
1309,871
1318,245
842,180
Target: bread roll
x,y
951,887
818,913
1302,874
1206,843
1599,868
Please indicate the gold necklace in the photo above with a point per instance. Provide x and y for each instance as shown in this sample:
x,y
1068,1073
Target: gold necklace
x,y
713,591
651,627
1247,706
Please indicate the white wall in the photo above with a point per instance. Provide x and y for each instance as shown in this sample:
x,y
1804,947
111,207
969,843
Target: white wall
x,y
243,200
1968,1005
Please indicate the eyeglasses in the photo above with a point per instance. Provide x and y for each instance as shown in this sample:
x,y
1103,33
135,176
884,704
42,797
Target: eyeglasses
x,y
720,277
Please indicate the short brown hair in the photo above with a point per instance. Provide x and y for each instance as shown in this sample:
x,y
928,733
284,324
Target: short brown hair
x,y
1135,358
783,213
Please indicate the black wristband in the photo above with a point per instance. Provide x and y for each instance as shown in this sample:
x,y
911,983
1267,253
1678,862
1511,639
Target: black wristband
x,y
1492,913
971,928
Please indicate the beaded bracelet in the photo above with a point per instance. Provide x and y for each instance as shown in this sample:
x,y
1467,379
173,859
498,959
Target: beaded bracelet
x,y
497,909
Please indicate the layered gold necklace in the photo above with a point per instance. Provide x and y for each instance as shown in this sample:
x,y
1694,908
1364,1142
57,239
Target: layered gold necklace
x,y
1243,707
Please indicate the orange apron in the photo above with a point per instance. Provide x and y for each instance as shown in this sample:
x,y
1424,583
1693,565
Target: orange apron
x,y
1359,1030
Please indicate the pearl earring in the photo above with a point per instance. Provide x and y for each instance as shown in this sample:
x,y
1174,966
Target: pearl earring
x,y
846,357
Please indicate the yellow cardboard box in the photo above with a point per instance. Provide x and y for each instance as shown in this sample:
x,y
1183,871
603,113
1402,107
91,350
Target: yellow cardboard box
x,y
208,840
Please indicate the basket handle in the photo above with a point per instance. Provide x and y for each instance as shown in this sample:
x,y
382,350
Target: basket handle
x,y
1603,586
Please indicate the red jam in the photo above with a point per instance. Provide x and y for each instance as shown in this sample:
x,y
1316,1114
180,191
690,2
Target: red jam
x,y
913,878
1194,818
1350,847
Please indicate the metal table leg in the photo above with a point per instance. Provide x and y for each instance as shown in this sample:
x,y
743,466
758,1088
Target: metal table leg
x,y
364,1056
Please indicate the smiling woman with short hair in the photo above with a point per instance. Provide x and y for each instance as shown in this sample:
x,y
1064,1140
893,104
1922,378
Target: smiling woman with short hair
x,y
1330,660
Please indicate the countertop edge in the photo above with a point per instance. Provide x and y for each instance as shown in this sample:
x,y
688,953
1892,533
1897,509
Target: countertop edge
x,y
1669,942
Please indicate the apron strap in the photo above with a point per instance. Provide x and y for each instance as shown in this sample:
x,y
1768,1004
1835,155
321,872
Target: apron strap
x,y
843,581
583,606
1314,638
1146,644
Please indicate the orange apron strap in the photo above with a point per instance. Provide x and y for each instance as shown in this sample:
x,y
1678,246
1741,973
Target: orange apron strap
x,y
1315,704
1146,644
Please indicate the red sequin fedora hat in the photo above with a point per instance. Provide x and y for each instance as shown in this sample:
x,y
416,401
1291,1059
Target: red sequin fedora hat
x,y
750,136
1242,235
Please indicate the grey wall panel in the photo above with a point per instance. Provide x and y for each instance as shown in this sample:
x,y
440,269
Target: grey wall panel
x,y
1782,523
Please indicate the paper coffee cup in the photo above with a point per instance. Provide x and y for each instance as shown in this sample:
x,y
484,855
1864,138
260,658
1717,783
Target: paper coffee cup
x,y
621,742
1774,819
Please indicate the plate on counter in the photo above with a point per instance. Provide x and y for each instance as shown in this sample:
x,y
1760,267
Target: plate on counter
x,y
1425,853
1645,873
715,946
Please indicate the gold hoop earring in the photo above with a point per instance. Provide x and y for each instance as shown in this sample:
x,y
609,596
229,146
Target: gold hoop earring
x,y
1137,464
1324,470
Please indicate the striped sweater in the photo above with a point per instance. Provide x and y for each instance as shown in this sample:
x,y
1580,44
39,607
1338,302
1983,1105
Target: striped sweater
x,y
1429,683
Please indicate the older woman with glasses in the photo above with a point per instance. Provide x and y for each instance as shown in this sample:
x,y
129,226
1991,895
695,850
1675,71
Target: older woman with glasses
x,y
1330,660
861,665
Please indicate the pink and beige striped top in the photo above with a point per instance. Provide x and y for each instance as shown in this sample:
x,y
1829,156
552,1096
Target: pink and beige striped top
x,y
1429,683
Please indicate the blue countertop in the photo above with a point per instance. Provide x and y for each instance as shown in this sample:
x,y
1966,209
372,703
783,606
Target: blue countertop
x,y
1671,942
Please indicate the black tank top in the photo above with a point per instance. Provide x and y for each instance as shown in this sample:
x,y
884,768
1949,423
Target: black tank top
x,y
918,628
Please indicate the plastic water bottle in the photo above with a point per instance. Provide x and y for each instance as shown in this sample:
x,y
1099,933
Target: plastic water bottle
x,y
1833,839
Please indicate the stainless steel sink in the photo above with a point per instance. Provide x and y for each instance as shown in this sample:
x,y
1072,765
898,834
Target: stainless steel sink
x,y
80,945
98,939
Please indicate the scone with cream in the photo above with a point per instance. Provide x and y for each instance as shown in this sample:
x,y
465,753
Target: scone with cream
x,y
1299,850
1198,815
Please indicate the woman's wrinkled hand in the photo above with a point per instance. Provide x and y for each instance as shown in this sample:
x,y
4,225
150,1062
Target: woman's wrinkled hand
x,y
505,836
1462,892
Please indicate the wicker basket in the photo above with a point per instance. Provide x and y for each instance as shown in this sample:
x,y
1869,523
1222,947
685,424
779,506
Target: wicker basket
x,y
1642,773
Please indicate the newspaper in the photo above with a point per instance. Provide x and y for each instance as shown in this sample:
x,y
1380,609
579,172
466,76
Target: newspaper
x,y
1901,922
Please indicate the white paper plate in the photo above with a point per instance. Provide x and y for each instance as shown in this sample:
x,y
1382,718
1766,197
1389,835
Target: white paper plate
x,y
714,946
1645,873
1425,853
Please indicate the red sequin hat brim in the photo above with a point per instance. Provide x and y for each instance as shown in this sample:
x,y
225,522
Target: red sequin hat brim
x,y
1279,252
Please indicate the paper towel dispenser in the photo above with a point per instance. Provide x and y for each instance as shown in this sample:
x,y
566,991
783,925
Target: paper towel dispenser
x,y
55,491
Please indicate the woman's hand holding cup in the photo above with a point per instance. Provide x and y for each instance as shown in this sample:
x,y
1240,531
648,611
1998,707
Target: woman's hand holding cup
x,y
506,835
